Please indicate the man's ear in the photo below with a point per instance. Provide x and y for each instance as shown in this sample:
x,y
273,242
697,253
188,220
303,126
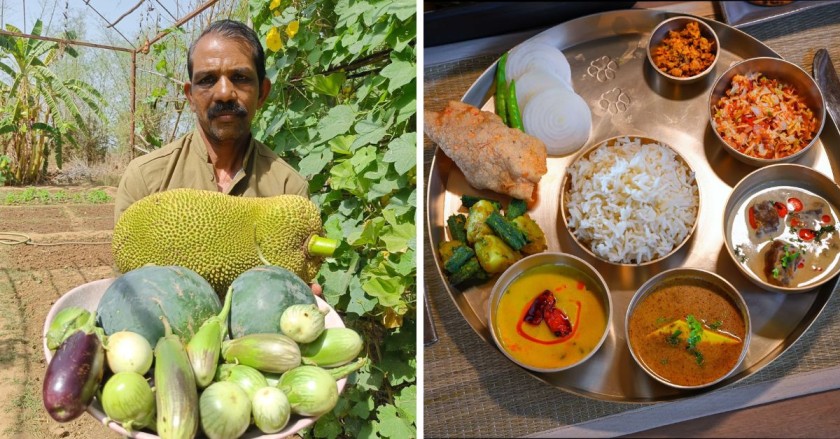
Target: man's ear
x,y
265,89
188,91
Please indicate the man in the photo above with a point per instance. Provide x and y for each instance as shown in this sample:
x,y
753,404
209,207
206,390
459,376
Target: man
x,y
227,84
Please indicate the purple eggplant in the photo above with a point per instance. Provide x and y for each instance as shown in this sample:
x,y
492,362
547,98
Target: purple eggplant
x,y
73,376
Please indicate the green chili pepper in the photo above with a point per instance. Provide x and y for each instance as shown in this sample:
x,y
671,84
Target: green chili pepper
x,y
501,89
514,116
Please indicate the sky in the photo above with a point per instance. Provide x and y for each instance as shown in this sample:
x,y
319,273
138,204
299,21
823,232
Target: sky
x,y
162,12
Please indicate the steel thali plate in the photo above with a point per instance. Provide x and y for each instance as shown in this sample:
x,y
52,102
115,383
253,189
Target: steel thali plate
x,y
610,71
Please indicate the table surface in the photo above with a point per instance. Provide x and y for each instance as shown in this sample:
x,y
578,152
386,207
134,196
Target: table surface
x,y
486,387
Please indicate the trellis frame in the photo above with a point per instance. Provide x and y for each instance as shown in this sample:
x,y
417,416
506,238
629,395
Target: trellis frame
x,y
144,49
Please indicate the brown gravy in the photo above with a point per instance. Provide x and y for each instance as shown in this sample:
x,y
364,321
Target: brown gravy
x,y
659,334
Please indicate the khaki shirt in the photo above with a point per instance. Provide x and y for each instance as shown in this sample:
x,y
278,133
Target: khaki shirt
x,y
185,163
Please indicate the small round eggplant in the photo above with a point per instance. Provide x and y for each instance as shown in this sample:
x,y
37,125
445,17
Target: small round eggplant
x,y
73,376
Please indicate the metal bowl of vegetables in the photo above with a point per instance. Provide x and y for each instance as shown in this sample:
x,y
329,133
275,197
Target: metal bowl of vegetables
x,y
684,50
766,110
87,297
549,312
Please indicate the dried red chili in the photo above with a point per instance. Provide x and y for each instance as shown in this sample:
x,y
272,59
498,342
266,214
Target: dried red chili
x,y
558,322
536,312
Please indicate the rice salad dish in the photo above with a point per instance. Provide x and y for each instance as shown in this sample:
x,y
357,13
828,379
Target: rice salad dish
x,y
631,203
764,118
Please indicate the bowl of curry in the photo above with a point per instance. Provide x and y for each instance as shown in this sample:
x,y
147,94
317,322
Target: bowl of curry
x,y
549,312
780,228
688,328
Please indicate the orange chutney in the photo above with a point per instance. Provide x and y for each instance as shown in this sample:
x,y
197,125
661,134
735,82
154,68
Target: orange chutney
x,y
536,345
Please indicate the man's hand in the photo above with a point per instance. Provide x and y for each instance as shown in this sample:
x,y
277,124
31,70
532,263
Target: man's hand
x,y
316,289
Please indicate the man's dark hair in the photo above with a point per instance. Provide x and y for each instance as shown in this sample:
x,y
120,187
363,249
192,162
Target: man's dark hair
x,y
238,31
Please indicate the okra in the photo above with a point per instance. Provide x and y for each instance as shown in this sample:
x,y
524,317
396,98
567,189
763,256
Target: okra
x,y
469,200
264,352
176,395
516,208
204,348
469,272
457,227
507,231
501,89
459,257
514,116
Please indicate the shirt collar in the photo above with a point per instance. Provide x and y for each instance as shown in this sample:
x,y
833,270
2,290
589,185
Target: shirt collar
x,y
199,147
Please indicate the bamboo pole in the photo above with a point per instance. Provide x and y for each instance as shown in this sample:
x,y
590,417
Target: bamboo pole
x,y
133,103
65,41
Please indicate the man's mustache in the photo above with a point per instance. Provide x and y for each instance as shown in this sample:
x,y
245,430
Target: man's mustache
x,y
226,108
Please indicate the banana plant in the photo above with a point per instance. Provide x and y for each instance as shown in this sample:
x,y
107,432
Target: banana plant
x,y
41,111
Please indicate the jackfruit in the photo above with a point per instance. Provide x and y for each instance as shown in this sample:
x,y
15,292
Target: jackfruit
x,y
221,236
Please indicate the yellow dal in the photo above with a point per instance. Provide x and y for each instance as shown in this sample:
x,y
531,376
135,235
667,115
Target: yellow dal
x,y
563,282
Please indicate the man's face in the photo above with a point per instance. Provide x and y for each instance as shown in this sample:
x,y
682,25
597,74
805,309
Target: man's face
x,y
224,90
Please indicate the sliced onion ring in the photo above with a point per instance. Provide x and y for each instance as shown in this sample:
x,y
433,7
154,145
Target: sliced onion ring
x,y
560,118
534,82
529,55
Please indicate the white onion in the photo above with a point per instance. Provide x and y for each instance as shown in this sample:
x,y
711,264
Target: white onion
x,y
535,81
526,56
128,351
560,118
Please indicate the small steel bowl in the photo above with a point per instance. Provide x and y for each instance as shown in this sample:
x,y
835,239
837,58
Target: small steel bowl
x,y
781,70
566,186
677,24
677,275
761,180
576,267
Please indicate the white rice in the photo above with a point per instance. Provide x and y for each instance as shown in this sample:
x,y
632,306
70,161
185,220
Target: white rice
x,y
631,203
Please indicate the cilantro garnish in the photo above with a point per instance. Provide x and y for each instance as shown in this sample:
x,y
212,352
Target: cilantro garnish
x,y
674,339
697,355
823,230
788,258
694,337
776,273
696,331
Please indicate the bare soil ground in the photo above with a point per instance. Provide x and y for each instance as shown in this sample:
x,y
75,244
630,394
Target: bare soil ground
x,y
32,278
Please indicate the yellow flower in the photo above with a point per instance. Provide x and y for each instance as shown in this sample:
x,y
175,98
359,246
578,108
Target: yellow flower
x,y
292,29
274,4
273,41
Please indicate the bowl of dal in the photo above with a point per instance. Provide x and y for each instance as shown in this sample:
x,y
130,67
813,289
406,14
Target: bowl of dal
x,y
688,328
549,312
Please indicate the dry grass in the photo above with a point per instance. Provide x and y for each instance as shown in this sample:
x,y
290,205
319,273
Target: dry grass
x,y
77,171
